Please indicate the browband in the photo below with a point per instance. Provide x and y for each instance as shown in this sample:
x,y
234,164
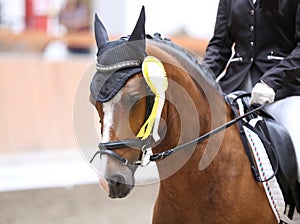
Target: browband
x,y
118,65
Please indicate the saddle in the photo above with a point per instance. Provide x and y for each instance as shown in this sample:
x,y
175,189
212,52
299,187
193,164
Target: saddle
x,y
278,145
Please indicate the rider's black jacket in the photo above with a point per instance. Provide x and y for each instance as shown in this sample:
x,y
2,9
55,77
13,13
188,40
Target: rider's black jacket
x,y
265,43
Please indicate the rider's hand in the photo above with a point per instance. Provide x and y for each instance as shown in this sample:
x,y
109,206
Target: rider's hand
x,y
262,94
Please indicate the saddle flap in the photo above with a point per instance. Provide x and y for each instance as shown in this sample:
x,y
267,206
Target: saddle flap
x,y
284,149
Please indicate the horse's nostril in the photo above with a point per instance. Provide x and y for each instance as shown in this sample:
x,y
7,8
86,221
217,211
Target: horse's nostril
x,y
118,186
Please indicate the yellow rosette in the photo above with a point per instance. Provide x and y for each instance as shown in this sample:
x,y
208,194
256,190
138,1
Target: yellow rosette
x,y
156,78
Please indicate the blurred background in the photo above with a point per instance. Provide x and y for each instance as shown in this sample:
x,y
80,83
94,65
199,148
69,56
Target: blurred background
x,y
46,47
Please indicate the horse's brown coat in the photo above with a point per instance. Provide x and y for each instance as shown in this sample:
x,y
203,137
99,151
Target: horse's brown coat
x,y
223,192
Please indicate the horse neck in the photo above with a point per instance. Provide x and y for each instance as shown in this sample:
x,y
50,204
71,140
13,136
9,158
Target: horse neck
x,y
211,176
192,109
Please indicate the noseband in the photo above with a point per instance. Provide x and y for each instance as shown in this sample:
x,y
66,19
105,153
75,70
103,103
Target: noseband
x,y
109,147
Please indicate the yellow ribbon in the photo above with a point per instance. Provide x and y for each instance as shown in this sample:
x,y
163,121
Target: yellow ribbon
x,y
156,78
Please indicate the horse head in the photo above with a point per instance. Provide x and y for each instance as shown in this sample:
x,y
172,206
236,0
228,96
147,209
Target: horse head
x,y
122,108
125,101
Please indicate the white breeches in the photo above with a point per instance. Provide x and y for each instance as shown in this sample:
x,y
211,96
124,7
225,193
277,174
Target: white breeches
x,y
287,112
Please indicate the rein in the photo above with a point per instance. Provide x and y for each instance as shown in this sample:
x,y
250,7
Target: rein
x,y
145,145
200,139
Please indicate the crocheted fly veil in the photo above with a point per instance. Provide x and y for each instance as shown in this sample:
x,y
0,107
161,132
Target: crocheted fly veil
x,y
117,60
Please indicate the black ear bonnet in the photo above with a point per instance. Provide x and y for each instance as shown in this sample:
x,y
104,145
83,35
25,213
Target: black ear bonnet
x,y
117,60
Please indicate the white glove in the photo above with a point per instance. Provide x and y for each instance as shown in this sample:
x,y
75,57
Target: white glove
x,y
262,94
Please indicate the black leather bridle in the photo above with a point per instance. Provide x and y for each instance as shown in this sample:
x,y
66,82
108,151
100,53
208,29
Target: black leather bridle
x,y
109,147
145,145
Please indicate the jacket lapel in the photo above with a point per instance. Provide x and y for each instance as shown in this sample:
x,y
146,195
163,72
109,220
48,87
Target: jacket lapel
x,y
251,3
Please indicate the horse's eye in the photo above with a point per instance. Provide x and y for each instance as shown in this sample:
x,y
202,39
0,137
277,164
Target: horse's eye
x,y
131,100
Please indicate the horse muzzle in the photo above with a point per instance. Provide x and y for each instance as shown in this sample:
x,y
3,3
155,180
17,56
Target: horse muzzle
x,y
117,185
116,178
118,171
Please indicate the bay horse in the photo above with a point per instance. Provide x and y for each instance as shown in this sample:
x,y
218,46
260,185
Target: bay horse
x,y
205,182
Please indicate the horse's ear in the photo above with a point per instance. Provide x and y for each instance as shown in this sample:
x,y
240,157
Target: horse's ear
x,y
139,31
100,32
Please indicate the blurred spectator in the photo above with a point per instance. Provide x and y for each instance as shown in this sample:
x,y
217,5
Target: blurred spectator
x,y
75,17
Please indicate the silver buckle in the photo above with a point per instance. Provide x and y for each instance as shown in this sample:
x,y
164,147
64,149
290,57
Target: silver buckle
x,y
145,158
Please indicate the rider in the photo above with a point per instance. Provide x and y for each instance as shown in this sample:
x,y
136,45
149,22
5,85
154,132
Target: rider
x,y
265,36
